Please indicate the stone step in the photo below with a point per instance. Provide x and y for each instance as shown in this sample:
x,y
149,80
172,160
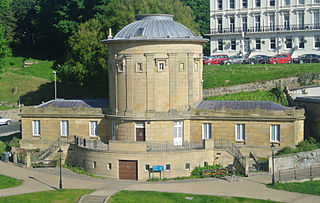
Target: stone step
x,y
92,199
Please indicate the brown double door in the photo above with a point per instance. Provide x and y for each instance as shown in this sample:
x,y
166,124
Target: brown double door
x,y
128,170
140,134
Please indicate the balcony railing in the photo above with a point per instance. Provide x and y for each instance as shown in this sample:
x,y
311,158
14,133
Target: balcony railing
x,y
169,146
278,28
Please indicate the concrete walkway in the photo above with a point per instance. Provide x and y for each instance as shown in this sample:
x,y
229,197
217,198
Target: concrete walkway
x,y
35,180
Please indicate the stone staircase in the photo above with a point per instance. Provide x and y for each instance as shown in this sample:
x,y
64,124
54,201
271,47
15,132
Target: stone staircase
x,y
92,199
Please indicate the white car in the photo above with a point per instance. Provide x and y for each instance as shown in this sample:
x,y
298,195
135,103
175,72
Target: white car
x,y
6,121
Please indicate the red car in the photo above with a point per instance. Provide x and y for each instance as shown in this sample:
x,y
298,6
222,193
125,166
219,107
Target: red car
x,y
280,58
215,59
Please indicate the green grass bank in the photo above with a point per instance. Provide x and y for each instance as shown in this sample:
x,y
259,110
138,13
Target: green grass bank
x,y
164,197
7,182
61,196
307,187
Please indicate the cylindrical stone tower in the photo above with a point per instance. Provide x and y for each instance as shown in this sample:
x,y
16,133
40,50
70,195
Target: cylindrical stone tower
x,y
155,68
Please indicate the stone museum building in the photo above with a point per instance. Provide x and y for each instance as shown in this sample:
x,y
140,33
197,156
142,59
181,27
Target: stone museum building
x,y
268,27
155,115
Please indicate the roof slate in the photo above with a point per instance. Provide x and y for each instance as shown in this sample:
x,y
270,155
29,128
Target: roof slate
x,y
155,27
241,105
85,103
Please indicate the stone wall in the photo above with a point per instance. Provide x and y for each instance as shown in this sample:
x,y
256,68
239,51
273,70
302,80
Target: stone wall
x,y
12,113
312,122
176,159
297,160
250,87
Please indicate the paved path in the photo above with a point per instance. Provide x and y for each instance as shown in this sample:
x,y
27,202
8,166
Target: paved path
x,y
6,130
35,180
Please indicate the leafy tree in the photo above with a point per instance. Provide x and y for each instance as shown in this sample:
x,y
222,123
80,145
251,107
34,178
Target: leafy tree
x,y
119,13
86,63
26,33
201,9
4,44
7,19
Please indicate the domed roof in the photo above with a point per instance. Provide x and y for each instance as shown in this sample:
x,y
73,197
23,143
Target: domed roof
x,y
155,27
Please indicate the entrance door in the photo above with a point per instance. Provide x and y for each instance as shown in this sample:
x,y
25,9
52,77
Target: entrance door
x,y
178,133
140,132
128,170
246,45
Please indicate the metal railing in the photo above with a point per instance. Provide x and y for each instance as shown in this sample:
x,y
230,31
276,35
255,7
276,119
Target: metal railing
x,y
91,144
231,148
275,28
298,174
170,146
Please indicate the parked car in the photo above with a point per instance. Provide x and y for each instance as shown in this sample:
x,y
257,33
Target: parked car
x,y
233,60
204,58
280,58
5,121
307,58
216,59
257,59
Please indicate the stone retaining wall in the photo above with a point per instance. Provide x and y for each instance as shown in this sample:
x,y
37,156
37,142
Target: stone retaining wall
x,y
13,114
250,87
298,160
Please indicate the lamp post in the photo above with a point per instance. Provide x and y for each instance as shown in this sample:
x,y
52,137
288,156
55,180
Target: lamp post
x,y
60,183
272,148
55,84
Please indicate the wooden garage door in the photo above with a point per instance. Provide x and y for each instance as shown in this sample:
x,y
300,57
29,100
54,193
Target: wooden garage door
x,y
128,170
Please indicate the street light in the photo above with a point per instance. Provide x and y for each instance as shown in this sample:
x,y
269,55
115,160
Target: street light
x,y
55,84
272,148
60,183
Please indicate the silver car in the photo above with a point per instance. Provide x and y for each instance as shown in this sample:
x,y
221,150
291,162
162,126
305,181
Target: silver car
x,y
6,121
233,60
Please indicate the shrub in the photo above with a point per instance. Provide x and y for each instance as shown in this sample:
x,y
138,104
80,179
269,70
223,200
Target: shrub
x,y
306,145
3,147
198,171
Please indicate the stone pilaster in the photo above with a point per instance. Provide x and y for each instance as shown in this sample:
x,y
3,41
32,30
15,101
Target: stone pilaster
x,y
150,82
190,64
129,83
172,83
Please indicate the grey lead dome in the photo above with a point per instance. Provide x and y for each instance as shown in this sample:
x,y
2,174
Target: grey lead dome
x,y
155,27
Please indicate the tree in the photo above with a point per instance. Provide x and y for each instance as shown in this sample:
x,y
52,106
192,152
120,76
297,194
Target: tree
x,y
4,44
26,33
86,63
201,10
119,13
6,19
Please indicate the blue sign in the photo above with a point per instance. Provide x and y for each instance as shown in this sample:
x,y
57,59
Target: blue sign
x,y
157,168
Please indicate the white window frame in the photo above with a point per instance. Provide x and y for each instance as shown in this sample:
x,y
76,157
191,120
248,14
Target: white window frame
x,y
93,128
64,128
206,131
169,167
178,133
275,133
315,41
36,128
240,132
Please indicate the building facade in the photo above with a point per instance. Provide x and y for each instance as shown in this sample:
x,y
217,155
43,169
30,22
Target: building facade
x,y
156,115
269,27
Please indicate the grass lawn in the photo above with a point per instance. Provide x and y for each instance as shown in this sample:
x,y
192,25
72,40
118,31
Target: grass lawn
x,y
307,187
6,182
275,95
6,108
61,196
164,197
219,76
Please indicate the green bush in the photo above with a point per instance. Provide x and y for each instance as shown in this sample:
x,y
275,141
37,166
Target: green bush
x,y
306,145
198,171
3,147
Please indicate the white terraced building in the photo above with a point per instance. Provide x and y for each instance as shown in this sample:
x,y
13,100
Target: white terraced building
x,y
269,27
